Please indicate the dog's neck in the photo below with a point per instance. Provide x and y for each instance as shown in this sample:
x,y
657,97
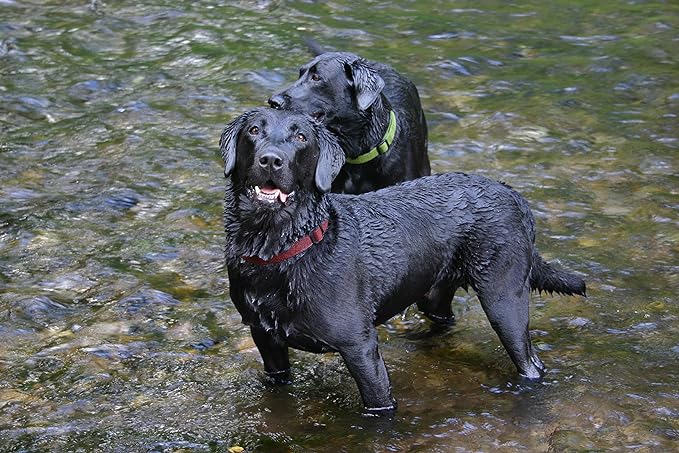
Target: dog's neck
x,y
367,131
255,231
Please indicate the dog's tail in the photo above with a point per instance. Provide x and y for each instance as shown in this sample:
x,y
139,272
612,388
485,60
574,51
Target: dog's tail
x,y
314,46
548,277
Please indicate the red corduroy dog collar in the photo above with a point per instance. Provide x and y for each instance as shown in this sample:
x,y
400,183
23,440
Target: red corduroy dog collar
x,y
298,247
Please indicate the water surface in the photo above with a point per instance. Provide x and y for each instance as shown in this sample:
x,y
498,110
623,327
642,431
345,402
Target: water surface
x,y
116,329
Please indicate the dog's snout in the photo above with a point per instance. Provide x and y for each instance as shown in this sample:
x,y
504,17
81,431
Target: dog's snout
x,y
277,101
271,160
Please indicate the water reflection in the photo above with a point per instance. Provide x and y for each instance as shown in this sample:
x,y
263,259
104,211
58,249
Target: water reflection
x,y
117,333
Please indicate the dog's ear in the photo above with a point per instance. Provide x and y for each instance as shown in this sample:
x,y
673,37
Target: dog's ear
x,y
367,82
229,140
330,159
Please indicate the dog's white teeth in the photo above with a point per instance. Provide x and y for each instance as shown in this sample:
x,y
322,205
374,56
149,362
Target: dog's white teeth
x,y
265,194
271,195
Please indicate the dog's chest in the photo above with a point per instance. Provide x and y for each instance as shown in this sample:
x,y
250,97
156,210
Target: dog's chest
x,y
271,311
281,313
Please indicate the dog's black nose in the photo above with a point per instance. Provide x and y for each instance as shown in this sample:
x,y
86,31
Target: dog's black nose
x,y
277,101
271,160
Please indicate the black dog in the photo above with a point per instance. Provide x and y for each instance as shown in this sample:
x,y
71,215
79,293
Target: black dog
x,y
318,271
374,112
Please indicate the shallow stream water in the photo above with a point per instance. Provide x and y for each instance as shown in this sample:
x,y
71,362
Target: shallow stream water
x,y
116,329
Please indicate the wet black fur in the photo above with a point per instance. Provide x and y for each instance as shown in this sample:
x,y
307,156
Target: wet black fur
x,y
415,242
355,96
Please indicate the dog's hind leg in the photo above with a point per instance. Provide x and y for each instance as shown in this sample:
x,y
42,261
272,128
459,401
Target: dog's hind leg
x,y
436,304
274,355
506,305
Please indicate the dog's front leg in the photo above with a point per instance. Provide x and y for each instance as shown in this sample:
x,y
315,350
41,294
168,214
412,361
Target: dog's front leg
x,y
274,355
367,367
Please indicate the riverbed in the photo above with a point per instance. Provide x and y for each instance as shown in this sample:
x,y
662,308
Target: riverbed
x,y
116,328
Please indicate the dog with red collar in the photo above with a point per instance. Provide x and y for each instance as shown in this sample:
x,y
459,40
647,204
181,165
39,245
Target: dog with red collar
x,y
319,271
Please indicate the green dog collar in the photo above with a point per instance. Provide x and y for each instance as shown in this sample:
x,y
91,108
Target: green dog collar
x,y
382,148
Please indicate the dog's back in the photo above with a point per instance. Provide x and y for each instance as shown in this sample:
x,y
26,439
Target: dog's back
x,y
446,201
432,221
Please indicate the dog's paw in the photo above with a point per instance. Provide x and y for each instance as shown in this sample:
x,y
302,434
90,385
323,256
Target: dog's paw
x,y
279,377
533,376
386,411
382,412
440,321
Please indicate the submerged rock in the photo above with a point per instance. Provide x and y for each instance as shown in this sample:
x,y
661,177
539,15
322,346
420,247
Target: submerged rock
x,y
578,322
89,89
568,440
120,351
146,301
40,310
115,200
269,80
110,351
203,344
123,199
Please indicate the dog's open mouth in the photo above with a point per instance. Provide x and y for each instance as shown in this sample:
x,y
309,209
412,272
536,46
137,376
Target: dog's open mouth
x,y
270,193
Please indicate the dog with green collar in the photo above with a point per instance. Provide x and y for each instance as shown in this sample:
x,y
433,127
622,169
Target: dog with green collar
x,y
374,112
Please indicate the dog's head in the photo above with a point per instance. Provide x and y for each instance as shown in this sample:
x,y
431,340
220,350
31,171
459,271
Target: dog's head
x,y
273,156
332,87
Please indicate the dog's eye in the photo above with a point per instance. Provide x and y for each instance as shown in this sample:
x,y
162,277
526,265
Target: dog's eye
x,y
301,138
254,130
315,77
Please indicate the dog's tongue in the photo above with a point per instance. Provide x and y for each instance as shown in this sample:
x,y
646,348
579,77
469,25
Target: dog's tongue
x,y
269,190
